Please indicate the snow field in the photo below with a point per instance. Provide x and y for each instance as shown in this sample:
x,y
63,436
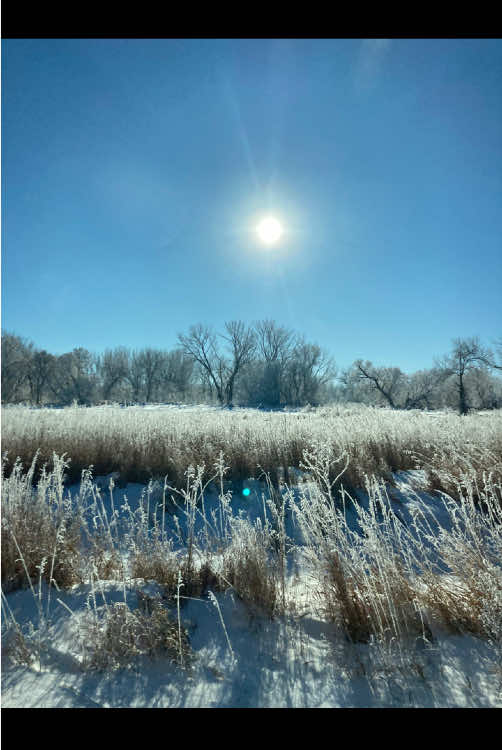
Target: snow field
x,y
298,594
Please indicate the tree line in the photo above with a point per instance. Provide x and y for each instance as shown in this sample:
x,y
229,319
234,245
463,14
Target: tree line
x,y
463,379
263,365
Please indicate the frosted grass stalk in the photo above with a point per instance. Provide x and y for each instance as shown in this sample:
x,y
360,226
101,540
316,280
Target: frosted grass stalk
x,y
180,584
215,602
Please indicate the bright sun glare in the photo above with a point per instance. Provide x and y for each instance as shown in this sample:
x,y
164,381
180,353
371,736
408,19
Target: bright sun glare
x,y
269,230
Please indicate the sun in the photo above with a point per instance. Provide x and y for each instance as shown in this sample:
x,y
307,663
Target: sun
x,y
269,230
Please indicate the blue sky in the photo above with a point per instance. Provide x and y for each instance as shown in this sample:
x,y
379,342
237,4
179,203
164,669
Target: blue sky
x,y
135,171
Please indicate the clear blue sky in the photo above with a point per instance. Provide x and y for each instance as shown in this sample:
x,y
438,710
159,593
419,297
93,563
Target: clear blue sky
x,y
134,172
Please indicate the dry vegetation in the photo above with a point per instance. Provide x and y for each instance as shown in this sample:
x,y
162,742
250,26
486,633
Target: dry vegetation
x,y
117,636
140,444
375,578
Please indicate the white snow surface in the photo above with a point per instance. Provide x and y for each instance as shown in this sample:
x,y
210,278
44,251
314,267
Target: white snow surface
x,y
294,661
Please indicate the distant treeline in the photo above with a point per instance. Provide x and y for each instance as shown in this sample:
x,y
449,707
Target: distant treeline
x,y
262,365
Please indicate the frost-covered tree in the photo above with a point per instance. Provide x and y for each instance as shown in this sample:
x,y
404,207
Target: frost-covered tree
x,y
365,383
485,390
465,356
386,381
420,389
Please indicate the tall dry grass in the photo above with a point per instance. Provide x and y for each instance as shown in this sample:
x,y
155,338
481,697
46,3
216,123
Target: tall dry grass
x,y
40,536
381,580
143,443
377,579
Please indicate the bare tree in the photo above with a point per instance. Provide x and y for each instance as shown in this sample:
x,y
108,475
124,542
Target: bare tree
x,y
74,377
151,361
308,368
368,384
113,368
206,384
275,346
176,374
485,390
135,375
498,348
202,346
274,342
466,355
16,353
242,344
421,388
353,387
39,371
385,380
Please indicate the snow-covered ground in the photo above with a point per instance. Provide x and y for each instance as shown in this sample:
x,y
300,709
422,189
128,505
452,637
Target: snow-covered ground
x,y
245,660
290,663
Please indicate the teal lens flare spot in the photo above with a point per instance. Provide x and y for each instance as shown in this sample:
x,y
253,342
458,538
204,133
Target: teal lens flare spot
x,y
246,492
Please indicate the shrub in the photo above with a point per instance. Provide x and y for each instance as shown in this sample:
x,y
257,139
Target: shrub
x,y
40,529
117,637
250,566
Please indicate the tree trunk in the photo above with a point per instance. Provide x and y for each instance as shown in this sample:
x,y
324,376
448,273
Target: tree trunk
x,y
462,403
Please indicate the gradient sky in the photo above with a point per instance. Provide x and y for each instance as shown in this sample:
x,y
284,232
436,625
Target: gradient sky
x,y
135,171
